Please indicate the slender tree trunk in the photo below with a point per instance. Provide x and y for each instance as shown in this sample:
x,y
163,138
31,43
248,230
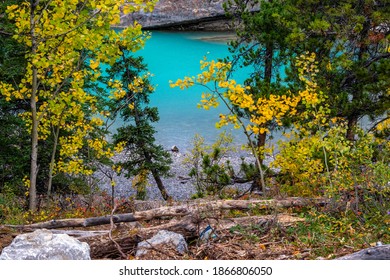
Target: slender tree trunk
x,y
363,50
156,176
259,184
52,161
269,54
160,185
34,117
261,139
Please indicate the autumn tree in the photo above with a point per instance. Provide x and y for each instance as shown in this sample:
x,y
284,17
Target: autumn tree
x,y
263,30
60,38
220,89
142,155
266,34
351,39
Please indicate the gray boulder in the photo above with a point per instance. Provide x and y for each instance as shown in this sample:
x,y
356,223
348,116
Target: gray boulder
x,y
381,252
163,240
44,245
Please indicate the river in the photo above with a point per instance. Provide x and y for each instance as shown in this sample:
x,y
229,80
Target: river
x,y
173,55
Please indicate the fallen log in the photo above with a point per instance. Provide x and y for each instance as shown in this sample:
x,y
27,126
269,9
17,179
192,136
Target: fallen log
x,y
190,227
81,233
102,247
381,252
104,220
175,211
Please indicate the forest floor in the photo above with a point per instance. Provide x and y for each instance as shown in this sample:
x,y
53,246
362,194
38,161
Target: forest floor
x,y
301,237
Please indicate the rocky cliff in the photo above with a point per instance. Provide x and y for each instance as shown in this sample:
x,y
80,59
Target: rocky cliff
x,y
182,14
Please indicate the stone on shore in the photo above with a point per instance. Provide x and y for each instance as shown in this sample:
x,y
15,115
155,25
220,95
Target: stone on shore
x,y
44,245
163,241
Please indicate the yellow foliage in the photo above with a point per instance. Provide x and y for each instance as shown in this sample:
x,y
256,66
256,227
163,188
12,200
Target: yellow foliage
x,y
94,64
120,146
264,111
62,29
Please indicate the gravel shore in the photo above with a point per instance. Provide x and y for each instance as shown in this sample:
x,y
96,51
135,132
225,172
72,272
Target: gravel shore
x,y
179,186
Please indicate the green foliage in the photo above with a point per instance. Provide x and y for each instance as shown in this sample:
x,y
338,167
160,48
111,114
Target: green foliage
x,y
143,155
264,31
12,54
351,44
207,165
11,206
63,43
14,142
339,230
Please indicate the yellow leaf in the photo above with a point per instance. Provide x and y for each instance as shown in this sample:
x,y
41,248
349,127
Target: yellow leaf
x,y
94,64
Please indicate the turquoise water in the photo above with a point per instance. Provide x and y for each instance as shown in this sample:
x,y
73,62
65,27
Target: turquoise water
x,y
173,55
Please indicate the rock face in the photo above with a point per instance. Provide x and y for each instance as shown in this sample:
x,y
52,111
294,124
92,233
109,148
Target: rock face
x,y
375,253
44,245
162,241
182,14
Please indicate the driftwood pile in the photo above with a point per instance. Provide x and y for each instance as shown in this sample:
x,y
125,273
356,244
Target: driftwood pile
x,y
122,232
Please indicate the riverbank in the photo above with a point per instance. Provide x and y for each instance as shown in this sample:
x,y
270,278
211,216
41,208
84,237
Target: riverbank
x,y
180,186
182,15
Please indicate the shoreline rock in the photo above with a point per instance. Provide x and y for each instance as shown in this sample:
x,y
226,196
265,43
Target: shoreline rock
x,y
207,15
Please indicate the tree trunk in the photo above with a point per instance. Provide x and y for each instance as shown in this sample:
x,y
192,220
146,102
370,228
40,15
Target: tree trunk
x,y
357,92
160,185
259,182
52,162
34,117
102,246
190,227
261,140
198,208
269,54
352,122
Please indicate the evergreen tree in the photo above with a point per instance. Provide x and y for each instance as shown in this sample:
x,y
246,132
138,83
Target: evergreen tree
x,y
14,141
143,155
263,32
351,40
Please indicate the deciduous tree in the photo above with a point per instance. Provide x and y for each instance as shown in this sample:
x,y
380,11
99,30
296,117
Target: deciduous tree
x,y
61,37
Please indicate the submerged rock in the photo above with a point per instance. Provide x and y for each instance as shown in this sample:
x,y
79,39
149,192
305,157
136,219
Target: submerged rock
x,y
163,240
44,245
